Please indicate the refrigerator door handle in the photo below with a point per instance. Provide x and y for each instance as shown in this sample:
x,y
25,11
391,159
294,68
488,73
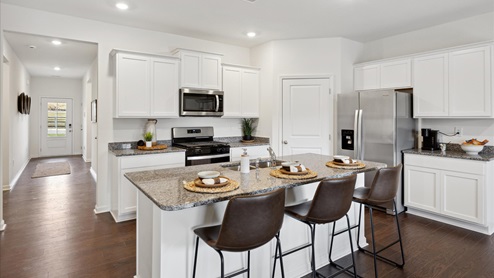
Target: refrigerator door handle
x,y
361,136
356,134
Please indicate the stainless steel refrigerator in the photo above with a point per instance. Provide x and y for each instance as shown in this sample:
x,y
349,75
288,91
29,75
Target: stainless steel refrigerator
x,y
376,126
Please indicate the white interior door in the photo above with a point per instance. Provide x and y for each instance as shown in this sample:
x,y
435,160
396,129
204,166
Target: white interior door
x,y
307,116
56,127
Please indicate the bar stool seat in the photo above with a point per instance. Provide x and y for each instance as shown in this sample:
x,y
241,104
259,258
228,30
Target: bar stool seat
x,y
331,202
249,222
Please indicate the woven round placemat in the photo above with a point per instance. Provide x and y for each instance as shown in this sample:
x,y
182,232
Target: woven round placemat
x,y
358,165
278,174
190,186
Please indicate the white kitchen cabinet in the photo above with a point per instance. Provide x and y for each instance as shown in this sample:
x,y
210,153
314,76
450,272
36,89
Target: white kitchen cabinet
x,y
123,196
253,152
455,84
241,87
455,191
383,75
146,85
199,69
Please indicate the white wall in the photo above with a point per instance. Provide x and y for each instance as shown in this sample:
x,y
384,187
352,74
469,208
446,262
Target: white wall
x,y
470,30
56,88
2,222
89,87
323,56
18,129
108,37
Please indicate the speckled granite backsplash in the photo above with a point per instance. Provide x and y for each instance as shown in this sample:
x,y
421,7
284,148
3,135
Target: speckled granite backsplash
x,y
132,145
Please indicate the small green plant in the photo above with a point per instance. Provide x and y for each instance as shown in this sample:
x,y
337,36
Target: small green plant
x,y
248,126
148,136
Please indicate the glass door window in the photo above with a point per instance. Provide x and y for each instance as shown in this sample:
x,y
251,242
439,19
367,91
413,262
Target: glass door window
x,y
56,119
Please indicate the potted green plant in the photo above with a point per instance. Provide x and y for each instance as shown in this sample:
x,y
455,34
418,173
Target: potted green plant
x,y
148,137
248,126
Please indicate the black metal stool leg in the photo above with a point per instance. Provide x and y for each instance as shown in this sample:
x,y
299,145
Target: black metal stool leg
x,y
195,258
358,227
399,237
222,264
248,264
313,259
373,242
351,245
276,252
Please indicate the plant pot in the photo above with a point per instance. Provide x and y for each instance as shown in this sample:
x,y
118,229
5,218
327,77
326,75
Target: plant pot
x,y
247,137
149,144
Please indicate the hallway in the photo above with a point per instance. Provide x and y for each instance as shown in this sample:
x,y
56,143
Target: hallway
x,y
52,230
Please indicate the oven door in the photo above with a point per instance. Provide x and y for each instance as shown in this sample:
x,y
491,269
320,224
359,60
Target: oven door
x,y
201,102
207,159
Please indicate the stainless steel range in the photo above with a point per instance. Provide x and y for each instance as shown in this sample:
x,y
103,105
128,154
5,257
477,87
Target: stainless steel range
x,y
200,148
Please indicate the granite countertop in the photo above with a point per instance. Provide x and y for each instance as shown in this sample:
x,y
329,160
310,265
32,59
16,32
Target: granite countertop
x,y
130,148
455,151
165,186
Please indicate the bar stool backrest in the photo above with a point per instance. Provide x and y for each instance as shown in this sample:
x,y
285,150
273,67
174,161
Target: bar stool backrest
x,y
251,221
385,185
332,199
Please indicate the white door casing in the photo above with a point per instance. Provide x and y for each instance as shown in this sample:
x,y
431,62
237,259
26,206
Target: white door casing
x,y
307,116
56,136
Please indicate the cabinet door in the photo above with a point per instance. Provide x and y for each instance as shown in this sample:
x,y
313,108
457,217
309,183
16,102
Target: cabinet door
x,y
211,71
367,77
470,82
190,70
132,85
422,188
396,74
232,86
430,92
250,93
164,88
462,196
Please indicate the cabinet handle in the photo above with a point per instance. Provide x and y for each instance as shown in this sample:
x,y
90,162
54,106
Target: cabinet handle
x,y
285,142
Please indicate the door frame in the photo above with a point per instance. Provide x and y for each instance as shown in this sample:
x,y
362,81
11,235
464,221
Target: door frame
x,y
41,125
278,102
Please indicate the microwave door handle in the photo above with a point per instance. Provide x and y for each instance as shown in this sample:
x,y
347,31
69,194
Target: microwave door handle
x,y
217,103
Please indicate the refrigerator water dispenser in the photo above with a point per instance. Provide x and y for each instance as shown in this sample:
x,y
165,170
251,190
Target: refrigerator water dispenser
x,y
347,139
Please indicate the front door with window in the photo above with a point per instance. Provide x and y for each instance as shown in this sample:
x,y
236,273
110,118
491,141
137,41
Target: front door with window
x,y
56,127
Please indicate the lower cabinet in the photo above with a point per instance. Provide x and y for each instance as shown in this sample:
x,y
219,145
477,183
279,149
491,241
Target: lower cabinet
x,y
123,197
253,152
450,189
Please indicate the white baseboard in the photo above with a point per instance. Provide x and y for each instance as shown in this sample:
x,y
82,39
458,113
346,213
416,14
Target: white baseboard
x,y
13,182
93,174
2,225
101,209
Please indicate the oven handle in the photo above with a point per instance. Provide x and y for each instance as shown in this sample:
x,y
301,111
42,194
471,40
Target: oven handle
x,y
208,156
217,103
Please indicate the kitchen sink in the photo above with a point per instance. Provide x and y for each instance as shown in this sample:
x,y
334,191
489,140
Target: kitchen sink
x,y
235,166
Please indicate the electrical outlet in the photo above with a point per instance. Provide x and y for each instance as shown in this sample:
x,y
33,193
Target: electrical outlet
x,y
458,131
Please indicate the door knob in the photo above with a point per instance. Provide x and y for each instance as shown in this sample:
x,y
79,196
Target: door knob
x,y
285,142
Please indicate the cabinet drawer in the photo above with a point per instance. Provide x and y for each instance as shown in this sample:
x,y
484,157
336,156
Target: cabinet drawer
x,y
152,160
450,164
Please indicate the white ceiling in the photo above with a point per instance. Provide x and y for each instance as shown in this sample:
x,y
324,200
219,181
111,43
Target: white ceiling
x,y
227,21
73,57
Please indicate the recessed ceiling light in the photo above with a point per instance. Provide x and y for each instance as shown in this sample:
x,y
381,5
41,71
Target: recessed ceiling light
x,y
56,68
56,42
122,6
251,34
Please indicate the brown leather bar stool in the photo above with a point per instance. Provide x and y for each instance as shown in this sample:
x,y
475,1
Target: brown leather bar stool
x,y
249,222
381,192
331,202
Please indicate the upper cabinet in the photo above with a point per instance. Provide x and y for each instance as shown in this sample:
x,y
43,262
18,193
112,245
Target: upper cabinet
x,y
241,87
389,74
199,69
146,85
456,84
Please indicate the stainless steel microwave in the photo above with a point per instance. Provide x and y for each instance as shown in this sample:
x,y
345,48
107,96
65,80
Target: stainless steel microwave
x,y
200,102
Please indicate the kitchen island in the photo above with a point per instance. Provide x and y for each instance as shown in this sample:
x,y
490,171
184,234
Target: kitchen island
x,y
167,215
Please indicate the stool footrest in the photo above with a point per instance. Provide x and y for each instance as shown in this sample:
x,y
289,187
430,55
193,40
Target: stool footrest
x,y
384,259
235,273
342,269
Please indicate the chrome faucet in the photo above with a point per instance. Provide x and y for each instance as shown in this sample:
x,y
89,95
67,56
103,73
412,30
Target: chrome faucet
x,y
273,156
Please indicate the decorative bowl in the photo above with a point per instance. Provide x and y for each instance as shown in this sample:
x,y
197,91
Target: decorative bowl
x,y
208,174
289,163
472,149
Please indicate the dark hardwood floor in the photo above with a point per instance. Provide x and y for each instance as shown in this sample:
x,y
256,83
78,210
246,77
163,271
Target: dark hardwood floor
x,y
52,231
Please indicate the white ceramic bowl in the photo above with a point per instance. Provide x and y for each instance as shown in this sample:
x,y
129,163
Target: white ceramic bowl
x,y
472,149
208,174
289,163
340,157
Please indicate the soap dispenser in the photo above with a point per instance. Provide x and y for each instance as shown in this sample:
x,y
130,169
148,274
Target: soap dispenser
x,y
244,162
